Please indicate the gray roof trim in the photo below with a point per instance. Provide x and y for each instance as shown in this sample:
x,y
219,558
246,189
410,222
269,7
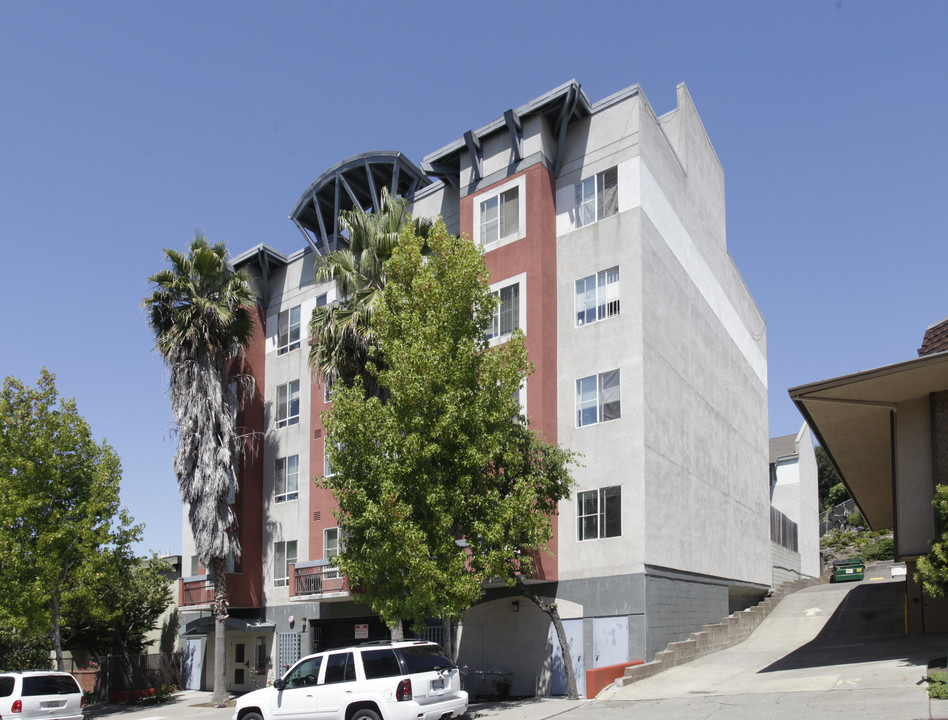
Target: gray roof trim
x,y
275,256
550,101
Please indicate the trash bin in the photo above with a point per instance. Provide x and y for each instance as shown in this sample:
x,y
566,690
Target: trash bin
x,y
849,569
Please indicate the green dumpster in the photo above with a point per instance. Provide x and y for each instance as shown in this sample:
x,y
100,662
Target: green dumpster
x,y
850,569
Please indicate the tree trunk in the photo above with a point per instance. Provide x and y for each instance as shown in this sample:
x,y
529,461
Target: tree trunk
x,y
554,615
446,637
219,569
129,673
55,632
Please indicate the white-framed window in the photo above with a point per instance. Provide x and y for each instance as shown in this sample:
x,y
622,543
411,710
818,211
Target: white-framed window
x,y
322,300
284,555
286,479
288,332
332,545
328,469
507,313
599,513
327,389
500,216
597,197
597,296
598,398
288,404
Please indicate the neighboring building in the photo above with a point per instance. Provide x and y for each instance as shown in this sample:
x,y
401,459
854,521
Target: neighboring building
x,y
886,432
603,226
794,495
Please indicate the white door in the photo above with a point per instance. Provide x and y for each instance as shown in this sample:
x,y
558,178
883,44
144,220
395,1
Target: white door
x,y
193,663
240,671
610,640
574,639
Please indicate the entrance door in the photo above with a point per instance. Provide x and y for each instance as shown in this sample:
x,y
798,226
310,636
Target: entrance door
x,y
574,639
610,640
239,665
193,663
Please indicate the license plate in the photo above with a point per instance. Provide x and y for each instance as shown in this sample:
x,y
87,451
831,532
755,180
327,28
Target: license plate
x,y
52,704
849,571
437,684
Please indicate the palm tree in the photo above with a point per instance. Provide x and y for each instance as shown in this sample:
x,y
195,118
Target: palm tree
x,y
342,332
199,312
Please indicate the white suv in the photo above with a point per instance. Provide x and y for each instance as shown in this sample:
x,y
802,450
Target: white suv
x,y
31,694
375,681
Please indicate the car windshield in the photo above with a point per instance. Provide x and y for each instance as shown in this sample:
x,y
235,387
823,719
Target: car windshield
x,y
424,658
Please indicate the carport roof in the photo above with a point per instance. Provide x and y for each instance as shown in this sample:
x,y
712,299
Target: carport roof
x,y
852,418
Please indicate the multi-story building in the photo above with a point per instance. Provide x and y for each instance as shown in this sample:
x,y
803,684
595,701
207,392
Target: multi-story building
x,y
603,227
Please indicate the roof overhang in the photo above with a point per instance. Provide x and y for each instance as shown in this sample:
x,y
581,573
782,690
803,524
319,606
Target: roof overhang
x,y
853,419
205,626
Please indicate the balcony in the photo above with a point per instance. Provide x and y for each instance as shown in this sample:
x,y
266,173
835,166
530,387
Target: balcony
x,y
197,590
317,580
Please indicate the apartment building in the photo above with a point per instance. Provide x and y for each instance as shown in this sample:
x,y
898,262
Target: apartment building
x,y
603,227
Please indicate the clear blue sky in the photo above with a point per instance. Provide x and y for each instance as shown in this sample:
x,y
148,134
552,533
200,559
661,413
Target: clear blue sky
x,y
124,126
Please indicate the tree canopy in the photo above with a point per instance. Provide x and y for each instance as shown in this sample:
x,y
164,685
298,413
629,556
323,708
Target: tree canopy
x,y
443,485
830,488
60,519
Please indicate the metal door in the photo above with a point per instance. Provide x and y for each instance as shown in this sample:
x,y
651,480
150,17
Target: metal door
x,y
574,639
193,663
610,640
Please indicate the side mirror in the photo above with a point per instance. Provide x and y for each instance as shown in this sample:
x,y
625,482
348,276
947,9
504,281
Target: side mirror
x,y
279,684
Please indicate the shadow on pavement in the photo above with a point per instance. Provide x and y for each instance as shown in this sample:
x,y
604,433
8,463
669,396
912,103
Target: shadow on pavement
x,y
869,625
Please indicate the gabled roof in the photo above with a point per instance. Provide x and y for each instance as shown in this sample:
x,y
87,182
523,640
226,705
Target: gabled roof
x,y
936,339
783,446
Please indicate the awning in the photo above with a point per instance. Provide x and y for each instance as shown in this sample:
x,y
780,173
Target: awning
x,y
205,626
852,418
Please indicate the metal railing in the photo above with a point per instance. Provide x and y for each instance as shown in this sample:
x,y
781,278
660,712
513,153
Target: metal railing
x,y
318,580
198,591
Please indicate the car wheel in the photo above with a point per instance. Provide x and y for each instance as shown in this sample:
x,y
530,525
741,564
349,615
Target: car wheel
x,y
251,716
366,714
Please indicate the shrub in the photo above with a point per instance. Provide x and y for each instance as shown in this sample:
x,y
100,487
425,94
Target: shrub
x,y
879,549
938,686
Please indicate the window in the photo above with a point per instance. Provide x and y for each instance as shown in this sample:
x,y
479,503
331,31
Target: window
x,y
500,216
340,668
288,337
328,469
332,538
599,513
304,674
322,300
598,398
284,555
288,404
507,314
597,296
380,664
286,479
597,197
327,389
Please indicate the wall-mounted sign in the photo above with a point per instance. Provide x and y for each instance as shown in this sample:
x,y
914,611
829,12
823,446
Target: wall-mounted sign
x,y
362,632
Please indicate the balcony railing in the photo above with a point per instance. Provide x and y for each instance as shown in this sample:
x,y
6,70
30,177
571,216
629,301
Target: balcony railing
x,y
317,578
197,590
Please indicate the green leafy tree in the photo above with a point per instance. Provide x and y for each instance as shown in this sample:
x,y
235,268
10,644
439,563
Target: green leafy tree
x,y
59,508
200,313
119,607
443,485
932,569
830,488
342,333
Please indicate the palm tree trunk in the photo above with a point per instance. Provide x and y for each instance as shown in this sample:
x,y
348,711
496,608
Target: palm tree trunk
x,y
219,568
554,615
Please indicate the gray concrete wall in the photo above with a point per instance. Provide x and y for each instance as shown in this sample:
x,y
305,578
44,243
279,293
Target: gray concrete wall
x,y
678,605
787,566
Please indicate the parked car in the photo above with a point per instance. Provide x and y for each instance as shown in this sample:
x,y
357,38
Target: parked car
x,y
374,681
46,694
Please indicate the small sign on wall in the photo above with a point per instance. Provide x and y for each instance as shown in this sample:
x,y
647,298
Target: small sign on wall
x,y
362,632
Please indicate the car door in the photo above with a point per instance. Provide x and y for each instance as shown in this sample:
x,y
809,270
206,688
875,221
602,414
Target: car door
x,y
297,699
338,687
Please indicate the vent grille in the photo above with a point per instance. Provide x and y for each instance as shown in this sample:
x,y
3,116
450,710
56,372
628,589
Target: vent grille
x,y
318,433
316,515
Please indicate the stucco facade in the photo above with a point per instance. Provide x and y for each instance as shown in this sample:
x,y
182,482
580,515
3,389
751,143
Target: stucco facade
x,y
603,227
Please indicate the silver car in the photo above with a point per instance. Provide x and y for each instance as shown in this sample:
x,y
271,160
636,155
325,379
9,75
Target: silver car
x,y
40,695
